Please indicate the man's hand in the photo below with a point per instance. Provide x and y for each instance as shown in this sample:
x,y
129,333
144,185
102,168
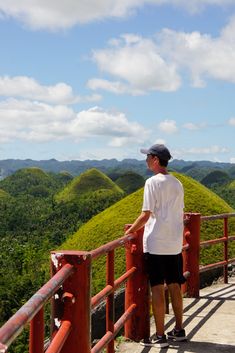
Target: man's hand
x,y
139,222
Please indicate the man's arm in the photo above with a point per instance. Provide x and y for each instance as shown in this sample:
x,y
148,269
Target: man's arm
x,y
139,222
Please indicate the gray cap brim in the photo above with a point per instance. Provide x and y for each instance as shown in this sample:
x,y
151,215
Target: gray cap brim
x,y
144,150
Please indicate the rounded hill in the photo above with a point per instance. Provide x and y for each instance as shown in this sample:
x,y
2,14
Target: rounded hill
x,y
227,192
91,181
4,195
109,224
130,182
216,177
33,181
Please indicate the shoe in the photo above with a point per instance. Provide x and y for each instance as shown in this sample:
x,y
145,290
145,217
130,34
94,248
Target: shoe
x,y
156,341
177,335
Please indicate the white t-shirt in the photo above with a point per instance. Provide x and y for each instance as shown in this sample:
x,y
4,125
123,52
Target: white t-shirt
x,y
164,197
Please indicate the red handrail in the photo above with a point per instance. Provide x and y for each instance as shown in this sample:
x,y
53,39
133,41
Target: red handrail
x,y
224,239
13,327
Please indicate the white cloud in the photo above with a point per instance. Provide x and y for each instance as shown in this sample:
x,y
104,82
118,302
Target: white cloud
x,y
194,127
232,160
168,126
194,6
231,121
29,88
54,15
200,54
26,120
140,65
39,122
136,62
97,122
212,152
110,86
160,141
206,150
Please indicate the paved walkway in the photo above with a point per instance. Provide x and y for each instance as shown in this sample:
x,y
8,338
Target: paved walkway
x,y
209,323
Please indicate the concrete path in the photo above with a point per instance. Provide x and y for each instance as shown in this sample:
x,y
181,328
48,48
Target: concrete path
x,y
209,323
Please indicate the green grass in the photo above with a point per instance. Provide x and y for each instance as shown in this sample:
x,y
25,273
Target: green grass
x,y
109,225
28,181
231,186
90,181
4,195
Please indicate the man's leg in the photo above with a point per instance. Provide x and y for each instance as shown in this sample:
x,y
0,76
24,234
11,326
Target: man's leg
x,y
177,303
158,305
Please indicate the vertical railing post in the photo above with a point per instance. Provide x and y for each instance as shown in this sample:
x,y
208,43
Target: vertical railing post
x,y
36,337
74,300
193,239
137,291
226,250
186,234
110,299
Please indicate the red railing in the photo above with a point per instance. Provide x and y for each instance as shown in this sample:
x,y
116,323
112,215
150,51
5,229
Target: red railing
x,y
70,292
224,239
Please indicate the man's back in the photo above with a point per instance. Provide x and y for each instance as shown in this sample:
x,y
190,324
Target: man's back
x,y
164,197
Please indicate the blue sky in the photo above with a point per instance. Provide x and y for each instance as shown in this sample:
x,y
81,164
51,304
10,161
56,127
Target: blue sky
x,y
89,79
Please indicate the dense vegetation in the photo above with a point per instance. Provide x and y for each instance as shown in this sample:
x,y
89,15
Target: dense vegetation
x,y
41,211
128,181
34,221
222,184
197,170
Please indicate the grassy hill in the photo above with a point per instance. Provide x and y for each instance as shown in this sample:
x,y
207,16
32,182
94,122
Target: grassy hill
x,y
88,182
227,192
218,177
32,181
130,182
4,195
109,225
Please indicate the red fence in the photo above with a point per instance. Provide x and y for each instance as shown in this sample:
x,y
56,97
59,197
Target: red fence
x,y
70,292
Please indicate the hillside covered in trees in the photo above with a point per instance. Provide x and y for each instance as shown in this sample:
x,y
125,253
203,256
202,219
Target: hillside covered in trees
x,y
197,170
41,211
38,211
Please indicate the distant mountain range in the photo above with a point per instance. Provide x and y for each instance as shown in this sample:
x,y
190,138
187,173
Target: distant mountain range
x,y
75,167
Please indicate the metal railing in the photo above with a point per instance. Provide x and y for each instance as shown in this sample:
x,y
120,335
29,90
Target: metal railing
x,y
225,239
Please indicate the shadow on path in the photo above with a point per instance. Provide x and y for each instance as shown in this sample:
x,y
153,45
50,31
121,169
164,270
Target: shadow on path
x,y
211,302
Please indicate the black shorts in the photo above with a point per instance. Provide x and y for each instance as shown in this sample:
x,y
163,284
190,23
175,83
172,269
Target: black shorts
x,y
164,268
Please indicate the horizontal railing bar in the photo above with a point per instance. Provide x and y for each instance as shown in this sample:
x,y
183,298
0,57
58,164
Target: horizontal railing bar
x,y
110,335
103,342
220,216
13,327
99,297
119,281
104,249
215,265
121,321
58,341
211,266
204,244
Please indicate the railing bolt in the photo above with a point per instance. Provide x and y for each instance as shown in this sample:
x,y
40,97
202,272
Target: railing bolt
x,y
3,348
133,248
68,296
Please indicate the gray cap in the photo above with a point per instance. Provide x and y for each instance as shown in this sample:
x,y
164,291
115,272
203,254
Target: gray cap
x,y
158,150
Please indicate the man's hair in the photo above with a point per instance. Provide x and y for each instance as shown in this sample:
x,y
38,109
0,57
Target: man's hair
x,y
162,162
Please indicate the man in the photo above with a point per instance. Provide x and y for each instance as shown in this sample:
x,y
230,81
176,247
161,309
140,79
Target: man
x,y
162,216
